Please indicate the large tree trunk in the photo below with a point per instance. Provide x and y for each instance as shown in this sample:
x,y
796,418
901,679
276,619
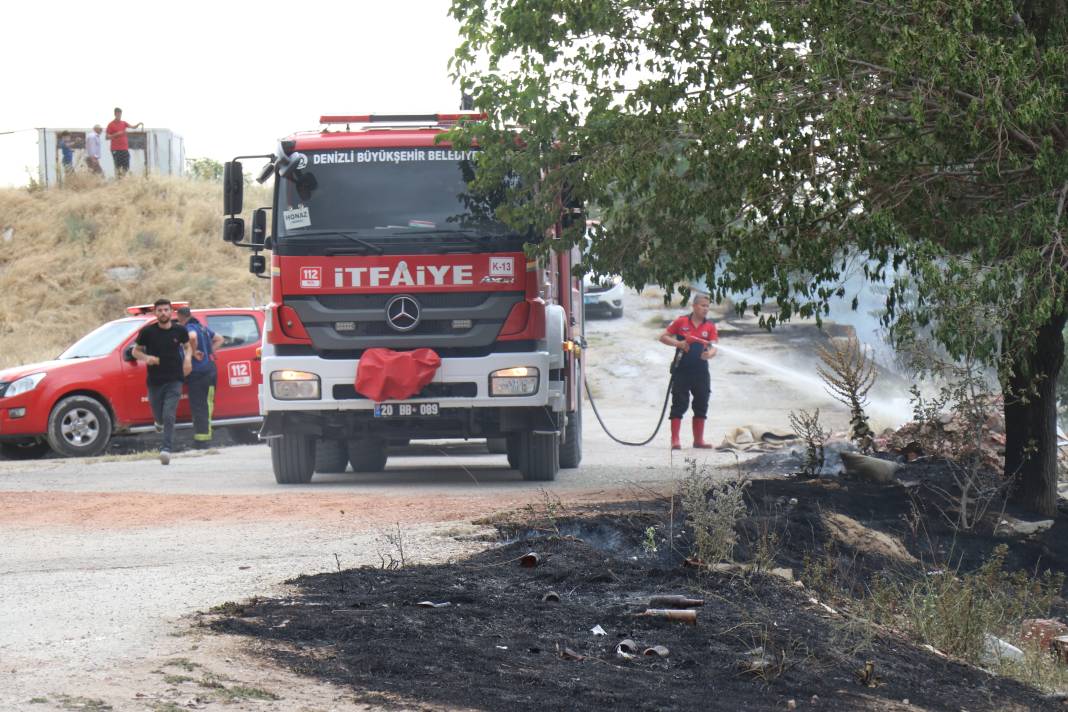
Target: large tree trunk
x,y
1031,421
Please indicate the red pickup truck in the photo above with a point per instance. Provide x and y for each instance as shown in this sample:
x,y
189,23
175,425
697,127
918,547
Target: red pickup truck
x,y
95,389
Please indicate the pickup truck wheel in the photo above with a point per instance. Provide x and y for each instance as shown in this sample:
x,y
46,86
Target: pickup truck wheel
x,y
541,458
331,456
79,426
293,459
571,446
498,446
368,455
29,449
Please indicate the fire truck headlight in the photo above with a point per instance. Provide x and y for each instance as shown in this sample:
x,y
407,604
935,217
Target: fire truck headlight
x,y
295,385
519,381
24,385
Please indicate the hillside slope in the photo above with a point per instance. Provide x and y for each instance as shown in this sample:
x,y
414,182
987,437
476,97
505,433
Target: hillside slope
x,y
74,257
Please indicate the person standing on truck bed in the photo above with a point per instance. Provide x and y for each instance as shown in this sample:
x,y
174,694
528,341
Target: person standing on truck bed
x,y
202,345
691,369
159,345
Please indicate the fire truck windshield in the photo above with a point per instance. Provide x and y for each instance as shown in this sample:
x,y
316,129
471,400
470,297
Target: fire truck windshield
x,y
384,196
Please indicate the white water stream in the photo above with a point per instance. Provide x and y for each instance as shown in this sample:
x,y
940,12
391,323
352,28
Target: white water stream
x,y
883,412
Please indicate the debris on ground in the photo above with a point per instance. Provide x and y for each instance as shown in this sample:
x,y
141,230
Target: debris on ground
x,y
1009,526
756,438
865,468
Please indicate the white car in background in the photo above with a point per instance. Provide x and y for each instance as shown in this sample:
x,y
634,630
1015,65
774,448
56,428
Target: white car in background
x,y
602,295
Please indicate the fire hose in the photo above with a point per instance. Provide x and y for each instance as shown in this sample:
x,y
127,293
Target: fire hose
x,y
667,396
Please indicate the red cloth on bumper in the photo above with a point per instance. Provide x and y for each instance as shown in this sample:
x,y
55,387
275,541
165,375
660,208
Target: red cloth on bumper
x,y
384,374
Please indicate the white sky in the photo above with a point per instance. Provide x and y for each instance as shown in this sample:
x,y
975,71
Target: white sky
x,y
229,76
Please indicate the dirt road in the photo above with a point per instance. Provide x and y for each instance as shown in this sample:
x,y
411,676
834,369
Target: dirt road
x,y
104,563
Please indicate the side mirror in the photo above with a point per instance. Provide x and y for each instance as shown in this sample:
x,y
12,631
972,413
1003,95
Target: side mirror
x,y
259,226
257,264
573,209
233,188
127,353
265,173
234,230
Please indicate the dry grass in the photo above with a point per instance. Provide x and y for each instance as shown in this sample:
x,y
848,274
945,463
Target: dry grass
x,y
53,270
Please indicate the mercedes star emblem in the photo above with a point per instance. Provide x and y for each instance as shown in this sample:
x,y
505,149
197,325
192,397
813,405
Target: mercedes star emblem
x,y
402,313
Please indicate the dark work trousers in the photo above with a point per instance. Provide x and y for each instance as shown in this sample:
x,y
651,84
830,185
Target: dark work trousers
x,y
121,159
202,401
695,382
163,398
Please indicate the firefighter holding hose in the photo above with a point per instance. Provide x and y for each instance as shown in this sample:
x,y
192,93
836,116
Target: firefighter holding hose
x,y
694,336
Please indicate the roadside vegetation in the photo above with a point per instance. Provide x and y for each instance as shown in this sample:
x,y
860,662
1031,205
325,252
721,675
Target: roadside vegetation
x,y
74,257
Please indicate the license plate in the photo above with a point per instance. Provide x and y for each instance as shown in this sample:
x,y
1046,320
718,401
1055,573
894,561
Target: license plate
x,y
591,300
407,410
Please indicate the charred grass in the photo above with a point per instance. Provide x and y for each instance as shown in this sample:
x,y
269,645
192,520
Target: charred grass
x,y
761,640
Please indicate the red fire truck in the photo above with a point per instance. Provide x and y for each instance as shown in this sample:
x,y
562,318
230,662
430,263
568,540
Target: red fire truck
x,y
378,246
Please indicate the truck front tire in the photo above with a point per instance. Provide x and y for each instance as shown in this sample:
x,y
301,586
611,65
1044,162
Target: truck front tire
x,y
571,447
293,459
332,456
79,426
368,455
541,456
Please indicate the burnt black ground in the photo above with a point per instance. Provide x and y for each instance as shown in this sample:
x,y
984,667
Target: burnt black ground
x,y
497,645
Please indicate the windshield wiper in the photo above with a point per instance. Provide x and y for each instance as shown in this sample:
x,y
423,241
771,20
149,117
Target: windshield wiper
x,y
368,246
470,235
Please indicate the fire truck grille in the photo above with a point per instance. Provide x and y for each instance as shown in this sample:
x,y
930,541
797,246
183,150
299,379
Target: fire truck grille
x,y
433,390
343,322
449,300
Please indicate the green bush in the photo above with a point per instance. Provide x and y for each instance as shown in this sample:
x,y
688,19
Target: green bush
x,y
954,612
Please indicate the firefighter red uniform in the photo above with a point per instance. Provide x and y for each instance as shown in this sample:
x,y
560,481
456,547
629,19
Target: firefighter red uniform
x,y
691,377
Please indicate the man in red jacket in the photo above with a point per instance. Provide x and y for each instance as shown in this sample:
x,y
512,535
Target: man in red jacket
x,y
691,371
120,145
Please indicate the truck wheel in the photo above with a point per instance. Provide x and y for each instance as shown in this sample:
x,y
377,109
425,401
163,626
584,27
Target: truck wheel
x,y
514,446
29,449
498,446
541,459
293,459
331,456
79,426
571,447
368,455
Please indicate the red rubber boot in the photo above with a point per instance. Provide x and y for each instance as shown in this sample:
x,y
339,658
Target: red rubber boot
x,y
699,434
676,430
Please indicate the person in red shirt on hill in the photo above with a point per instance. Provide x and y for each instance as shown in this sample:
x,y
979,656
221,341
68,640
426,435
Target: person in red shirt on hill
x,y
120,145
691,370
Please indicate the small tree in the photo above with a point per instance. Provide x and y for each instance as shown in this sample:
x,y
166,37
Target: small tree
x,y
849,374
207,169
807,427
